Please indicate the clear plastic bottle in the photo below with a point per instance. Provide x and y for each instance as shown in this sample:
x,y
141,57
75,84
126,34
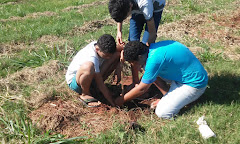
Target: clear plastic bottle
x,y
204,129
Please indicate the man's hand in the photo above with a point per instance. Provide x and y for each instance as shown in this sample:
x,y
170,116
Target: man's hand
x,y
122,56
119,34
119,38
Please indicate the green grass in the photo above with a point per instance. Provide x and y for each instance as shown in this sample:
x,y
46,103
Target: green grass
x,y
20,130
34,58
222,115
32,28
25,7
192,7
220,103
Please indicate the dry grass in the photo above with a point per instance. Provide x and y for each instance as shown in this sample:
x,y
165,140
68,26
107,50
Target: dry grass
x,y
218,28
30,16
81,7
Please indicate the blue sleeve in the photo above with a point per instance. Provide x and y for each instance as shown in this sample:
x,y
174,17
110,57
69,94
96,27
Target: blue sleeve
x,y
154,64
151,72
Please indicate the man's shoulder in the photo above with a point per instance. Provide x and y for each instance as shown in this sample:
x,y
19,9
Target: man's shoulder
x,y
88,50
91,44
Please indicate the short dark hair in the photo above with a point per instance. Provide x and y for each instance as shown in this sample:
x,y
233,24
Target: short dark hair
x,y
119,9
133,49
106,43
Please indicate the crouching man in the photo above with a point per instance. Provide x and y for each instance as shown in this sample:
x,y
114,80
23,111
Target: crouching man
x,y
91,66
166,61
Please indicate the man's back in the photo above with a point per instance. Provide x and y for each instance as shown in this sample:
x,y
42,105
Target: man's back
x,y
174,61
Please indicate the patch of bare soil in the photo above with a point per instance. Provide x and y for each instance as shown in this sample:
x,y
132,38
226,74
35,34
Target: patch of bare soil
x,y
33,77
7,49
91,26
32,15
223,28
71,118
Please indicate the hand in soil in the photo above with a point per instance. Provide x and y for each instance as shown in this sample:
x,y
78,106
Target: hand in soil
x,y
154,104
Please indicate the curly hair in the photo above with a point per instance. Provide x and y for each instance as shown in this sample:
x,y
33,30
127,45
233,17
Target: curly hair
x,y
107,43
133,49
119,9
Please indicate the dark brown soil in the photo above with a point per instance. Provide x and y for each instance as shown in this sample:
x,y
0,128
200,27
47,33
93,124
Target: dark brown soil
x,y
66,116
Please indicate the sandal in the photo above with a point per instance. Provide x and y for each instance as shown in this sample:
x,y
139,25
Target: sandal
x,y
87,101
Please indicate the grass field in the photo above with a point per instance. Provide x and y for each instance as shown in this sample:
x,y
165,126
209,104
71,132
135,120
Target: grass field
x,y
39,38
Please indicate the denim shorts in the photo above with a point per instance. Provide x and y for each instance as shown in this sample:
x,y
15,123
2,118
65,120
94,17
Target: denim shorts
x,y
74,86
137,22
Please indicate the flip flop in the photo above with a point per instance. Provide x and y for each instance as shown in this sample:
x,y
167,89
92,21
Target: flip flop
x,y
87,101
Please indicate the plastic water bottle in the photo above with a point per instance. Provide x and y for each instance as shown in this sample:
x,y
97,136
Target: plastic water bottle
x,y
204,129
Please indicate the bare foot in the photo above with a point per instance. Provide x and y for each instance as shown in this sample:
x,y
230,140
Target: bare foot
x,y
154,104
89,101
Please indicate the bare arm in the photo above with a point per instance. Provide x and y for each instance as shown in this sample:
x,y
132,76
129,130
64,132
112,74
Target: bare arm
x,y
119,33
152,31
135,69
102,87
135,92
161,85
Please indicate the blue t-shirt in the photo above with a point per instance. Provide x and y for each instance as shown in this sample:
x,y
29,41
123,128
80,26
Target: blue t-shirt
x,y
172,60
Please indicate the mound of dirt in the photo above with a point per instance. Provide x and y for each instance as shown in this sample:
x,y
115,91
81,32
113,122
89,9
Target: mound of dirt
x,y
92,26
71,118
9,49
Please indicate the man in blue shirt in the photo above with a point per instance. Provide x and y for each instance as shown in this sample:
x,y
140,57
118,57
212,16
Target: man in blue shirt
x,y
166,61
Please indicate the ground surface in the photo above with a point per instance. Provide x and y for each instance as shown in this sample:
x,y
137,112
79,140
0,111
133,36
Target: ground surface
x,y
68,116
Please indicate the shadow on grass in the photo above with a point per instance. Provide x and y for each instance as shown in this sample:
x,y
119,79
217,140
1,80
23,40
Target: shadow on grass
x,y
224,90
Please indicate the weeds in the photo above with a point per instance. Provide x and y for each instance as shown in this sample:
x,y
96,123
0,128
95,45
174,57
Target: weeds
x,y
220,103
35,58
21,130
207,56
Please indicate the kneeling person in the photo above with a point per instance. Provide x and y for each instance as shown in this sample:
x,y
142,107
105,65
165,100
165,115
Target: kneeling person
x,y
166,61
93,62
